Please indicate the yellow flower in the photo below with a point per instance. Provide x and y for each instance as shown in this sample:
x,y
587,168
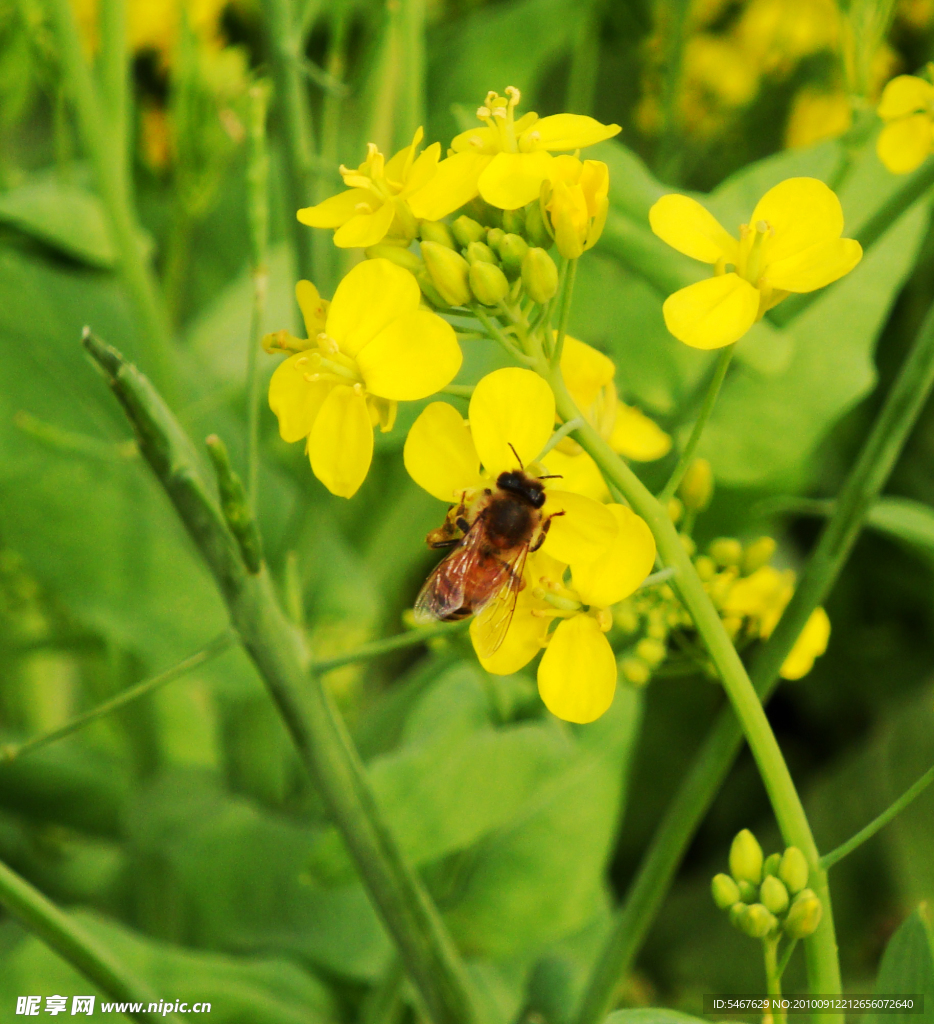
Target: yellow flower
x,y
576,198
907,107
577,673
507,161
791,244
377,348
509,407
154,24
817,115
761,597
810,644
778,33
376,204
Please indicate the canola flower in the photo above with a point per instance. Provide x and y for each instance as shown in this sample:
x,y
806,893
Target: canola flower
x,y
507,160
792,243
575,197
377,348
376,204
907,107
155,24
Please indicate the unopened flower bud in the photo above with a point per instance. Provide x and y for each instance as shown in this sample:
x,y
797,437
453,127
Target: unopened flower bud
x,y
706,567
726,551
696,487
770,867
746,858
539,275
653,652
773,895
736,912
512,250
536,228
635,671
675,510
401,257
436,231
480,252
448,271
429,291
493,238
488,283
757,921
688,543
794,869
803,916
514,221
757,554
724,890
466,230
748,892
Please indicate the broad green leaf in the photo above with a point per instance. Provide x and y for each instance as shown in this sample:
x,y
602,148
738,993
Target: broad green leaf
x,y
907,966
906,520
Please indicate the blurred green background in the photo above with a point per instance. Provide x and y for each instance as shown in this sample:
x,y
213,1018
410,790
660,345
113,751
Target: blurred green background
x,y
183,827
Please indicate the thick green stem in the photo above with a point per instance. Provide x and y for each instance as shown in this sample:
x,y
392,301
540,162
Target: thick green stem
x,y
773,979
567,290
585,60
280,654
58,931
710,399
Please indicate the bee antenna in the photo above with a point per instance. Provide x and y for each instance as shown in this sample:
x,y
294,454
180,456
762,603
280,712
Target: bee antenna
x,y
552,476
514,452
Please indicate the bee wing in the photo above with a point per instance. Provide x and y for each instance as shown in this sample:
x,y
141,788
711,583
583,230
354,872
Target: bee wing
x,y
443,592
494,618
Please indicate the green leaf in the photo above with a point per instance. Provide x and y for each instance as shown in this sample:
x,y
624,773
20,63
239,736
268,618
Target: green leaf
x,y
907,966
906,520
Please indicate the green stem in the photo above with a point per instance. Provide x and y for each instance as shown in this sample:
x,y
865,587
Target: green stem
x,y
710,399
64,935
217,646
458,390
497,334
773,978
109,163
703,781
383,1004
585,60
114,76
668,162
829,859
567,290
786,957
366,652
279,651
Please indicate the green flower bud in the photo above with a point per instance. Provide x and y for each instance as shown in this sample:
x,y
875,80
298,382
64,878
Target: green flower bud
x,y
536,227
746,858
488,283
770,867
466,230
635,671
794,869
688,543
480,252
696,487
748,892
448,272
401,257
773,895
706,567
757,921
514,221
736,912
757,554
493,237
485,214
539,275
726,551
428,289
803,916
724,890
652,652
675,509
512,250
436,231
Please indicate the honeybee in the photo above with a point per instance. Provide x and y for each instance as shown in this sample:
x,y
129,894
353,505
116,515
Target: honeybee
x,y
491,536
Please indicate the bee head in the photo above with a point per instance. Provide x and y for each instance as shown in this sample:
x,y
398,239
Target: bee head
x,y
518,482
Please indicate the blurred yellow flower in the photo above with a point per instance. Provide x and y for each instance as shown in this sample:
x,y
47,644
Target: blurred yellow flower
x,y
817,115
378,348
810,645
509,408
778,33
507,161
376,204
576,200
791,244
907,107
155,24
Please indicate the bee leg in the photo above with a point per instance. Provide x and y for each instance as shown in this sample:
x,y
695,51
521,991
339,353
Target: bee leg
x,y
439,545
543,532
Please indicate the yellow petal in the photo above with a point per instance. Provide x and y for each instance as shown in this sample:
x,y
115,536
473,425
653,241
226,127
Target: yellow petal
x,y
523,640
365,229
585,370
422,170
904,144
577,674
397,165
566,131
583,531
341,442
810,644
712,313
477,140
579,473
294,400
511,407
638,437
454,183
815,267
370,297
338,209
621,567
905,94
411,358
511,180
800,212
686,226
439,453
314,308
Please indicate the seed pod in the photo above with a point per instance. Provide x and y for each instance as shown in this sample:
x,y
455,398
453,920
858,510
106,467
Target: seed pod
x,y
696,487
512,250
757,554
514,221
770,867
726,551
757,921
539,275
436,231
773,895
746,858
803,916
480,252
488,283
448,272
466,230
401,257
794,869
724,890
